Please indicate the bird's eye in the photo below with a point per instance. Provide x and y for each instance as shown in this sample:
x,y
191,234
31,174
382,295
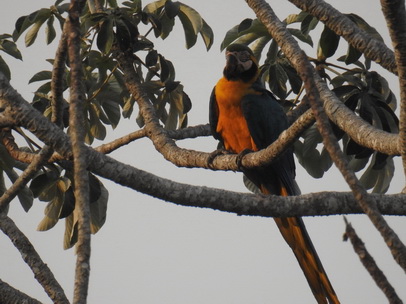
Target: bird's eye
x,y
244,56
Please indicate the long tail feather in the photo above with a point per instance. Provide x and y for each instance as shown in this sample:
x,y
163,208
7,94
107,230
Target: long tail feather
x,y
295,234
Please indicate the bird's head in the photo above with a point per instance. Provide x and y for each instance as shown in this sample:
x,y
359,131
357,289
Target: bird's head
x,y
241,63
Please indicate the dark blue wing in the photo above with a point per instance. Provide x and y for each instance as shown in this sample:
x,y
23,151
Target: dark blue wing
x,y
266,120
213,116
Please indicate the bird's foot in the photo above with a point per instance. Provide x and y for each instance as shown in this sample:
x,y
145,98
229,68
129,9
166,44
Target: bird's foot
x,y
240,156
214,154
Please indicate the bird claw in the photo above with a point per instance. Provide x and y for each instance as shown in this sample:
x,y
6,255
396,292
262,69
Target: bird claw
x,y
240,156
214,154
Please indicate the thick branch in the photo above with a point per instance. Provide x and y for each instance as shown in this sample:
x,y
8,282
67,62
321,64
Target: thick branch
x,y
344,27
369,263
300,62
41,271
10,295
244,204
395,15
77,135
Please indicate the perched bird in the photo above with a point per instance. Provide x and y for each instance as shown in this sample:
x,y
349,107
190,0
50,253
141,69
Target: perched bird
x,y
244,116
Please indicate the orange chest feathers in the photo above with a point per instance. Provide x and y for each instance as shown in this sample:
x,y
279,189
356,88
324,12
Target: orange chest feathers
x,y
231,124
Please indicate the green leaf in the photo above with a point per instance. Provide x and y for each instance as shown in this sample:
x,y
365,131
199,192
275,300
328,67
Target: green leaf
x,y
98,208
294,79
358,164
166,26
154,6
192,24
50,32
302,37
310,162
4,68
40,76
21,25
385,177
97,129
152,58
312,138
258,46
71,232
172,8
294,18
112,110
193,16
352,55
105,37
32,33
10,48
309,23
172,119
37,18
328,42
277,80
207,35
54,208
244,25
230,36
26,198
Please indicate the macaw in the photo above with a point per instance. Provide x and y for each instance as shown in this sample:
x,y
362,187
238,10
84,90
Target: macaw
x,y
244,116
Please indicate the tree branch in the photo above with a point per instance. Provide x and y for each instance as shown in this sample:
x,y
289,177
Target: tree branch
x,y
10,295
300,62
189,132
344,27
369,263
329,203
41,271
77,135
395,15
57,81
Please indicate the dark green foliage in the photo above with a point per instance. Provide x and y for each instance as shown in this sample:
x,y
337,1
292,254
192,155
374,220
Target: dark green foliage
x,y
10,48
106,95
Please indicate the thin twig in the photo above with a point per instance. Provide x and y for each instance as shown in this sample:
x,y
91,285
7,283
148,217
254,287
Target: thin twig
x,y
369,263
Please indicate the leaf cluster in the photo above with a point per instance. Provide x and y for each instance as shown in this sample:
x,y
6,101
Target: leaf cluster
x,y
116,28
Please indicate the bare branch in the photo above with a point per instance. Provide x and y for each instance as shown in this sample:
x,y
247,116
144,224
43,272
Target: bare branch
x,y
41,271
9,295
395,15
369,263
189,132
77,135
344,27
58,72
302,65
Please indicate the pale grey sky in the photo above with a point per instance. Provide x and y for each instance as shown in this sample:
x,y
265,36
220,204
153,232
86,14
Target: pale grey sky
x,y
151,251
